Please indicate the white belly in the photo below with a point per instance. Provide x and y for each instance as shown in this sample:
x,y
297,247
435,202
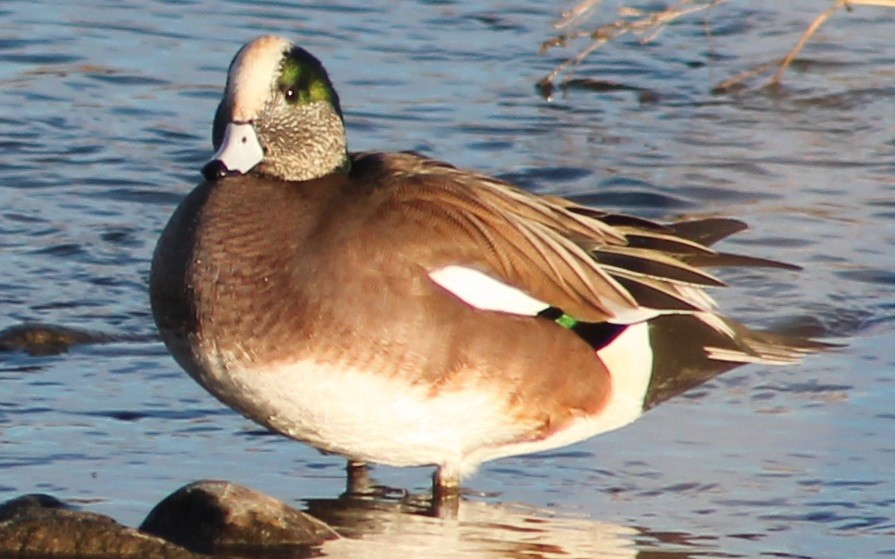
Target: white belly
x,y
365,416
372,417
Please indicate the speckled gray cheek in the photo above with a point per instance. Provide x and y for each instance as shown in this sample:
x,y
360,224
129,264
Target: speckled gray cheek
x,y
302,142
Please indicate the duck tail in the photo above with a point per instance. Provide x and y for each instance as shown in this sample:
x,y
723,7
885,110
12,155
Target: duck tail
x,y
690,349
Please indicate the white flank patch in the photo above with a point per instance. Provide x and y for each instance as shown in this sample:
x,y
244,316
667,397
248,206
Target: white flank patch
x,y
240,150
629,359
483,292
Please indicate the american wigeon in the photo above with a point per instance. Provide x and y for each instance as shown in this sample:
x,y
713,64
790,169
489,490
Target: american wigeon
x,y
395,309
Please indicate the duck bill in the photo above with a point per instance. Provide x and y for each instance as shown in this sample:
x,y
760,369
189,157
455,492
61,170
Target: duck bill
x,y
239,152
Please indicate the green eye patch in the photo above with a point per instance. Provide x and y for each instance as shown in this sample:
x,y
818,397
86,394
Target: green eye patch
x,y
303,79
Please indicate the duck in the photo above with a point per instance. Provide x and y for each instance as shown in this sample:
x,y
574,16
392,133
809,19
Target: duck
x,y
395,309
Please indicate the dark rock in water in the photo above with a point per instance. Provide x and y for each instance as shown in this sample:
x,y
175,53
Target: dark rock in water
x,y
35,338
44,339
224,518
214,517
27,503
43,526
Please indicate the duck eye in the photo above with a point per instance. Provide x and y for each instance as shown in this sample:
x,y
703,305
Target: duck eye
x,y
291,94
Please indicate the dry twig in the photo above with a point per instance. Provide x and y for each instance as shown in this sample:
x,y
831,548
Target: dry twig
x,y
648,25
577,12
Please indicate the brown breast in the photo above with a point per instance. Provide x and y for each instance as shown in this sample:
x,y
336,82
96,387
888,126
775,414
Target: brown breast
x,y
335,270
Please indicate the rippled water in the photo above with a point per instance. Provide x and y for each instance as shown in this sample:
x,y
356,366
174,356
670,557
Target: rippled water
x,y
105,117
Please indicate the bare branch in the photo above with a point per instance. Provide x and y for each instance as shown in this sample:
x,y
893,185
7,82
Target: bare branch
x,y
649,25
731,83
815,25
646,25
883,3
576,13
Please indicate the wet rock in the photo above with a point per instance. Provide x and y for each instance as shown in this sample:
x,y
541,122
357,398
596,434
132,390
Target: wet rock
x,y
41,525
224,518
44,339
35,338
29,503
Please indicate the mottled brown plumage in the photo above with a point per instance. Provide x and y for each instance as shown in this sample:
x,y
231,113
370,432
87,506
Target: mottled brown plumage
x,y
396,309
340,265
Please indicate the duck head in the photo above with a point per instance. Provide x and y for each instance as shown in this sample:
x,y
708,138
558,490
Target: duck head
x,y
279,117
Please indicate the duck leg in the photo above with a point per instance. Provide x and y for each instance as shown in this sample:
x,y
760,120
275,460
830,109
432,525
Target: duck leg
x,y
445,494
358,480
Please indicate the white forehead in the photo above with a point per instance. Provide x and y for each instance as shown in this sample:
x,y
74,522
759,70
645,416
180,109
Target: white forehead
x,y
252,73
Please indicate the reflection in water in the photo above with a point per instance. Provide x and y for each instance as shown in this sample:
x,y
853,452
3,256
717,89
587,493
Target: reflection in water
x,y
381,528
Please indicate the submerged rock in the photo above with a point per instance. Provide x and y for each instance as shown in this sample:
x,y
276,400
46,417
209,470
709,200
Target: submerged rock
x,y
219,517
41,525
48,339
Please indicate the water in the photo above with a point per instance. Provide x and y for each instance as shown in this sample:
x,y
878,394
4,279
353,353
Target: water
x,y
105,115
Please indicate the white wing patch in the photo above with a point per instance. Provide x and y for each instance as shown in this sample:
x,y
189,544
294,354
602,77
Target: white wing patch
x,y
483,292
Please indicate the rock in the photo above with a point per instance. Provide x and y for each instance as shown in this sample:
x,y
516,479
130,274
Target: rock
x,y
35,338
29,503
47,339
41,525
219,517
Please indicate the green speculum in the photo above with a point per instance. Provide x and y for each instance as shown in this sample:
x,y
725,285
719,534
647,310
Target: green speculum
x,y
560,317
566,321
